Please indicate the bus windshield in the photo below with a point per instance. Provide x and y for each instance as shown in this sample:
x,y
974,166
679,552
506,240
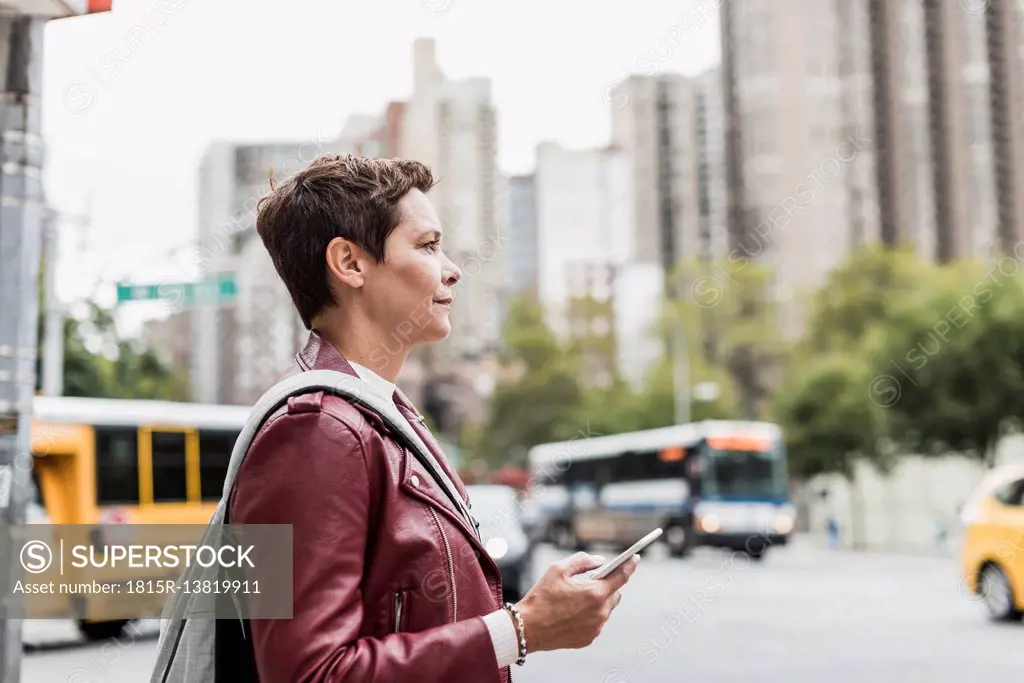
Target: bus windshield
x,y
732,473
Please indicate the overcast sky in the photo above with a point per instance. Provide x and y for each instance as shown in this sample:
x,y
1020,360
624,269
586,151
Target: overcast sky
x,y
132,98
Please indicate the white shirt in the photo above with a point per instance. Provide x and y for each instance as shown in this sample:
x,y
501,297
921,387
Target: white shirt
x,y
499,622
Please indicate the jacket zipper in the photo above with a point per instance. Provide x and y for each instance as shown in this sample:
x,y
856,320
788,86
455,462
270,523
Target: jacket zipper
x,y
451,564
399,603
448,557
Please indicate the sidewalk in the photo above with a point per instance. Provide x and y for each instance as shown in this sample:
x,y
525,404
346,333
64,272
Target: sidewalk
x,y
819,542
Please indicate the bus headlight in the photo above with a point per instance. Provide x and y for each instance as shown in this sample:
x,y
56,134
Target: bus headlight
x,y
496,547
783,524
709,523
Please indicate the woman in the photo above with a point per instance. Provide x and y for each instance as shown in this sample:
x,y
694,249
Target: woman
x,y
391,582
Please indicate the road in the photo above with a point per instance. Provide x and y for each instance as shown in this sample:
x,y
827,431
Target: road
x,y
802,615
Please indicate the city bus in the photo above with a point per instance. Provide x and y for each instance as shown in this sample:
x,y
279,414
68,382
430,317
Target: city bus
x,y
720,484
113,462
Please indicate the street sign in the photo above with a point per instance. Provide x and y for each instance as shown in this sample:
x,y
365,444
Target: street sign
x,y
220,288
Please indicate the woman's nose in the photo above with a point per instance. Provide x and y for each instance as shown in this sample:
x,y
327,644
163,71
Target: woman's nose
x,y
452,274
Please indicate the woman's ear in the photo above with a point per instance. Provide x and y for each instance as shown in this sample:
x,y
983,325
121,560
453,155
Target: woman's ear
x,y
347,262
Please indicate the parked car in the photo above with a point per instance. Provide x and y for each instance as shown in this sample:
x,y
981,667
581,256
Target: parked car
x,y
993,551
498,510
533,519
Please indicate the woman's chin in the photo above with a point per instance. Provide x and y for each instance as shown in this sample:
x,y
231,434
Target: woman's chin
x,y
438,330
441,330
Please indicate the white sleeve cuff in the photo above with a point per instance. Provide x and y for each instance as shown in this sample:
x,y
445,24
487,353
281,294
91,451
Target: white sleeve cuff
x,y
503,636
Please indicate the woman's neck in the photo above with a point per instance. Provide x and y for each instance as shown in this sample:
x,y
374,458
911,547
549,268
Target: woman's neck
x,y
371,348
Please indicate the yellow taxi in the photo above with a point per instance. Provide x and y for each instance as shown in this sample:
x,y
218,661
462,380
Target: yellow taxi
x,y
992,557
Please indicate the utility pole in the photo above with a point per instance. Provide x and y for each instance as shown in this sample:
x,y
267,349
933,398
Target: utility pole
x,y
681,375
53,332
22,208
22,213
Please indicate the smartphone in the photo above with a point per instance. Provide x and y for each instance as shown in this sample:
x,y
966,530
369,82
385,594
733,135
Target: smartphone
x,y
608,567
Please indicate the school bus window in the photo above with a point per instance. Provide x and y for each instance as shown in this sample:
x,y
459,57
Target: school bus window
x,y
214,455
117,466
169,479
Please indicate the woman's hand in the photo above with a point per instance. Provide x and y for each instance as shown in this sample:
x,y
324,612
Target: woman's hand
x,y
559,613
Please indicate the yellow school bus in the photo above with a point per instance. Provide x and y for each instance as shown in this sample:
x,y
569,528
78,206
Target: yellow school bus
x,y
109,461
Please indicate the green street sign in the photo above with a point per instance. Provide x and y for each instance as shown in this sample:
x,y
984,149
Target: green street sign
x,y
220,288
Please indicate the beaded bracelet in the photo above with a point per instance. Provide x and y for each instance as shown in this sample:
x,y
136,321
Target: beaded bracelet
x,y
520,631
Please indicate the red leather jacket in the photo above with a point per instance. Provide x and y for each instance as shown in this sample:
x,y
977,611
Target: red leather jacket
x,y
390,583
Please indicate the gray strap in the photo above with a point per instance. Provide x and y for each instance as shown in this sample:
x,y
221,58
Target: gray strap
x,y
352,389
355,390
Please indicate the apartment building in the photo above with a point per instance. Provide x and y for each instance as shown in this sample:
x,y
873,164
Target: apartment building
x,y
521,256
1004,40
583,222
793,142
452,127
860,121
241,347
657,135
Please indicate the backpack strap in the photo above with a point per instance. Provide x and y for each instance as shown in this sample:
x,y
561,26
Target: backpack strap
x,y
356,391
236,639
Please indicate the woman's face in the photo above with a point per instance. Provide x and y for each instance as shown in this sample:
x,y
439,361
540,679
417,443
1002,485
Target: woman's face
x,y
410,293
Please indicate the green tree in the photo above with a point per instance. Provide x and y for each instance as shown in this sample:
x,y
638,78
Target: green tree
x,y
731,321
861,294
828,418
99,363
543,403
831,424
832,402
951,366
655,406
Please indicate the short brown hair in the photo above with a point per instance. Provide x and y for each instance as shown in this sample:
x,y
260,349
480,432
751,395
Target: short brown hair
x,y
352,197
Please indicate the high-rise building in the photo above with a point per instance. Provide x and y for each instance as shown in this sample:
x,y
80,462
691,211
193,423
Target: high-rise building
x,y
521,254
452,127
791,141
583,222
898,115
854,121
170,339
213,363
712,189
1004,37
638,294
657,134
590,317
671,133
242,347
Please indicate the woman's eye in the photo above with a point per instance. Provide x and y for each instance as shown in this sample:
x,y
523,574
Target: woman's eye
x,y
433,246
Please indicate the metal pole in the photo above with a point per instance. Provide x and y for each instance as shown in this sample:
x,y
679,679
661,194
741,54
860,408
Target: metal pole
x,y
53,347
680,357
21,214
680,375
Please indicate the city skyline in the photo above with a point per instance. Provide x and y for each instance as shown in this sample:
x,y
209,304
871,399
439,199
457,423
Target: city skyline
x,y
107,99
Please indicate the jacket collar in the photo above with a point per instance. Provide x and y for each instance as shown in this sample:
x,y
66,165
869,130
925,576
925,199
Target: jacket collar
x,y
319,354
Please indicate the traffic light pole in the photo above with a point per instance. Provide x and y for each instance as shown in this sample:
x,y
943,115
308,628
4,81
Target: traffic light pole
x,y
21,218
53,324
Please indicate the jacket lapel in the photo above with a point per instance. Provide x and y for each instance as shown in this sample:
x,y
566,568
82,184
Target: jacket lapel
x,y
319,354
419,425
